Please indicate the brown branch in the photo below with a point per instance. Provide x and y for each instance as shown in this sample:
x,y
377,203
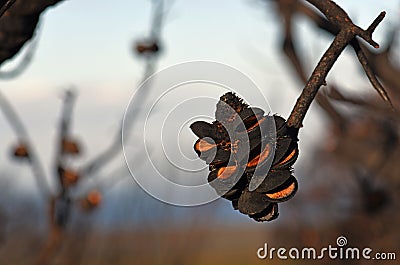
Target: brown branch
x,y
374,25
323,102
347,32
317,79
337,16
334,13
287,10
321,22
384,68
389,75
370,74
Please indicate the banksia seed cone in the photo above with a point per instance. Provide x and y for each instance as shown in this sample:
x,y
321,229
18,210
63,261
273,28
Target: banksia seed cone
x,y
70,146
92,200
238,147
21,151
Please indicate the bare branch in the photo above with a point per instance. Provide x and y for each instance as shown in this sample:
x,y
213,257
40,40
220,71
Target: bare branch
x,y
334,13
371,59
370,74
347,32
287,9
317,79
375,24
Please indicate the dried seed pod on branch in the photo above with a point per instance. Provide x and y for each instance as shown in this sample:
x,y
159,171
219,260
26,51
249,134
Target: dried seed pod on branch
x,y
366,136
238,147
217,147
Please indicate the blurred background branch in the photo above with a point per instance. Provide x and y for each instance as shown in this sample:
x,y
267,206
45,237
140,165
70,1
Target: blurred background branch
x,y
25,145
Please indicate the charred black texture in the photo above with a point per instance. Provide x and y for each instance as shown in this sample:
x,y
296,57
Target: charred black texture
x,y
239,146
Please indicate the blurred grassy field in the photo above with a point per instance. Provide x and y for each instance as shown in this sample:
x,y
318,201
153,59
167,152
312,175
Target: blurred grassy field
x,y
233,246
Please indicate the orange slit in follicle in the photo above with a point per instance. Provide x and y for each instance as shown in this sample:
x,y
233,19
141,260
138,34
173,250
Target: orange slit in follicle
x,y
283,193
261,157
226,172
257,124
290,156
203,146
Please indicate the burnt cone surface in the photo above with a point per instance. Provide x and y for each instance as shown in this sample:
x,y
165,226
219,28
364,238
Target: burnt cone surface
x,y
239,146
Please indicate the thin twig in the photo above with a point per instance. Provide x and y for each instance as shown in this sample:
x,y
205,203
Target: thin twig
x,y
287,9
370,71
337,16
317,79
347,32
370,74
64,127
375,24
